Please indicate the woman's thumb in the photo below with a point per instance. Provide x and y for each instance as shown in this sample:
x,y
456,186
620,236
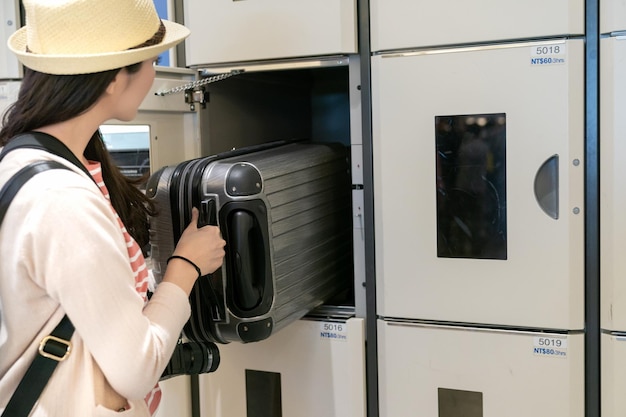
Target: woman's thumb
x,y
194,216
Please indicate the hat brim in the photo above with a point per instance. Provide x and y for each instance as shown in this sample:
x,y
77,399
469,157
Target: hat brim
x,y
89,63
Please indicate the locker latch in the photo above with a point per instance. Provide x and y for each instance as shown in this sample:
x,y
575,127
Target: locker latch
x,y
196,95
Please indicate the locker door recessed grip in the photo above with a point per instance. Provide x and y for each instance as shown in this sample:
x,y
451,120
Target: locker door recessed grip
x,y
546,186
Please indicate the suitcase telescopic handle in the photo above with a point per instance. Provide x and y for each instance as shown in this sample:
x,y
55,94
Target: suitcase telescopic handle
x,y
207,215
246,244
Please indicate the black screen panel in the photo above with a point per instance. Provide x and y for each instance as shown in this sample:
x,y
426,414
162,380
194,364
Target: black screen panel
x,y
471,186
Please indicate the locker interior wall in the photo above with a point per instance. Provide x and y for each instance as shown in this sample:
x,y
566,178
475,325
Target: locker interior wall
x,y
258,107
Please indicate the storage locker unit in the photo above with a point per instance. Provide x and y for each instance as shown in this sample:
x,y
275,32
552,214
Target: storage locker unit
x,y
399,24
310,368
478,172
233,31
612,16
612,189
445,371
10,68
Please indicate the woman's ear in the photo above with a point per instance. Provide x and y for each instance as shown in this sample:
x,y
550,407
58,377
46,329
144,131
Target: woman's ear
x,y
117,84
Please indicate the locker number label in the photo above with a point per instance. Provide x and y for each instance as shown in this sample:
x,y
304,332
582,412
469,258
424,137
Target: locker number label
x,y
334,331
550,346
548,54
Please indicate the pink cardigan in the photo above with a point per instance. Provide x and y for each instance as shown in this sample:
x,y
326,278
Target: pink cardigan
x,y
62,252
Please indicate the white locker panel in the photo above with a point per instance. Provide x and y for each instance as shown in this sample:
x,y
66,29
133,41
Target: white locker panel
x,y
480,218
613,182
398,24
8,94
439,371
232,31
613,355
612,15
308,369
10,68
358,242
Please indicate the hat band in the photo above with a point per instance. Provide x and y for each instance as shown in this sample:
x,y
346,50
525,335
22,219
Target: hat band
x,y
155,39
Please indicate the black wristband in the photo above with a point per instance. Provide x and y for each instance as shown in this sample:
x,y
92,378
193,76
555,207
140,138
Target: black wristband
x,y
186,260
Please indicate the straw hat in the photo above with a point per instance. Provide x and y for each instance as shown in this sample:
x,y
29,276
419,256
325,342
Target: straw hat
x,y
85,36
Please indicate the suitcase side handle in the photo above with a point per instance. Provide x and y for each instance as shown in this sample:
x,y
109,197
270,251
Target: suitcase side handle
x,y
246,250
249,281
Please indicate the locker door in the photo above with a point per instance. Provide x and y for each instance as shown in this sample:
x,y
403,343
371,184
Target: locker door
x,y
444,371
612,16
478,176
232,31
613,187
613,379
308,369
398,24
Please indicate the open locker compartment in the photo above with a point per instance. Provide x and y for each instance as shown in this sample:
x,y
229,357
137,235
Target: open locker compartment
x,y
310,101
282,100
276,178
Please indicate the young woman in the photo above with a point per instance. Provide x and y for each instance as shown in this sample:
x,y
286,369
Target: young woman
x,y
70,245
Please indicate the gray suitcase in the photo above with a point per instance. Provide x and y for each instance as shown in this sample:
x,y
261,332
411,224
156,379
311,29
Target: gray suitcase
x,y
284,210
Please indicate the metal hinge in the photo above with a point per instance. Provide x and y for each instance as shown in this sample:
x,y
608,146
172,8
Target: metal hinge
x,y
196,95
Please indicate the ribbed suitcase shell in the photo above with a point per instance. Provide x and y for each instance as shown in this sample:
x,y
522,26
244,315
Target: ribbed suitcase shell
x,y
285,213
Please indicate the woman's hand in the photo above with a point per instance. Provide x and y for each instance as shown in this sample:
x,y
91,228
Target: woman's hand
x,y
203,246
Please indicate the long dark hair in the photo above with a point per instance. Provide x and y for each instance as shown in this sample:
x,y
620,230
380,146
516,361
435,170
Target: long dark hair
x,y
46,99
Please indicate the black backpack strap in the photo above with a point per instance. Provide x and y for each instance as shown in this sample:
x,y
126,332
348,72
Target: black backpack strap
x,y
53,348
14,184
43,141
